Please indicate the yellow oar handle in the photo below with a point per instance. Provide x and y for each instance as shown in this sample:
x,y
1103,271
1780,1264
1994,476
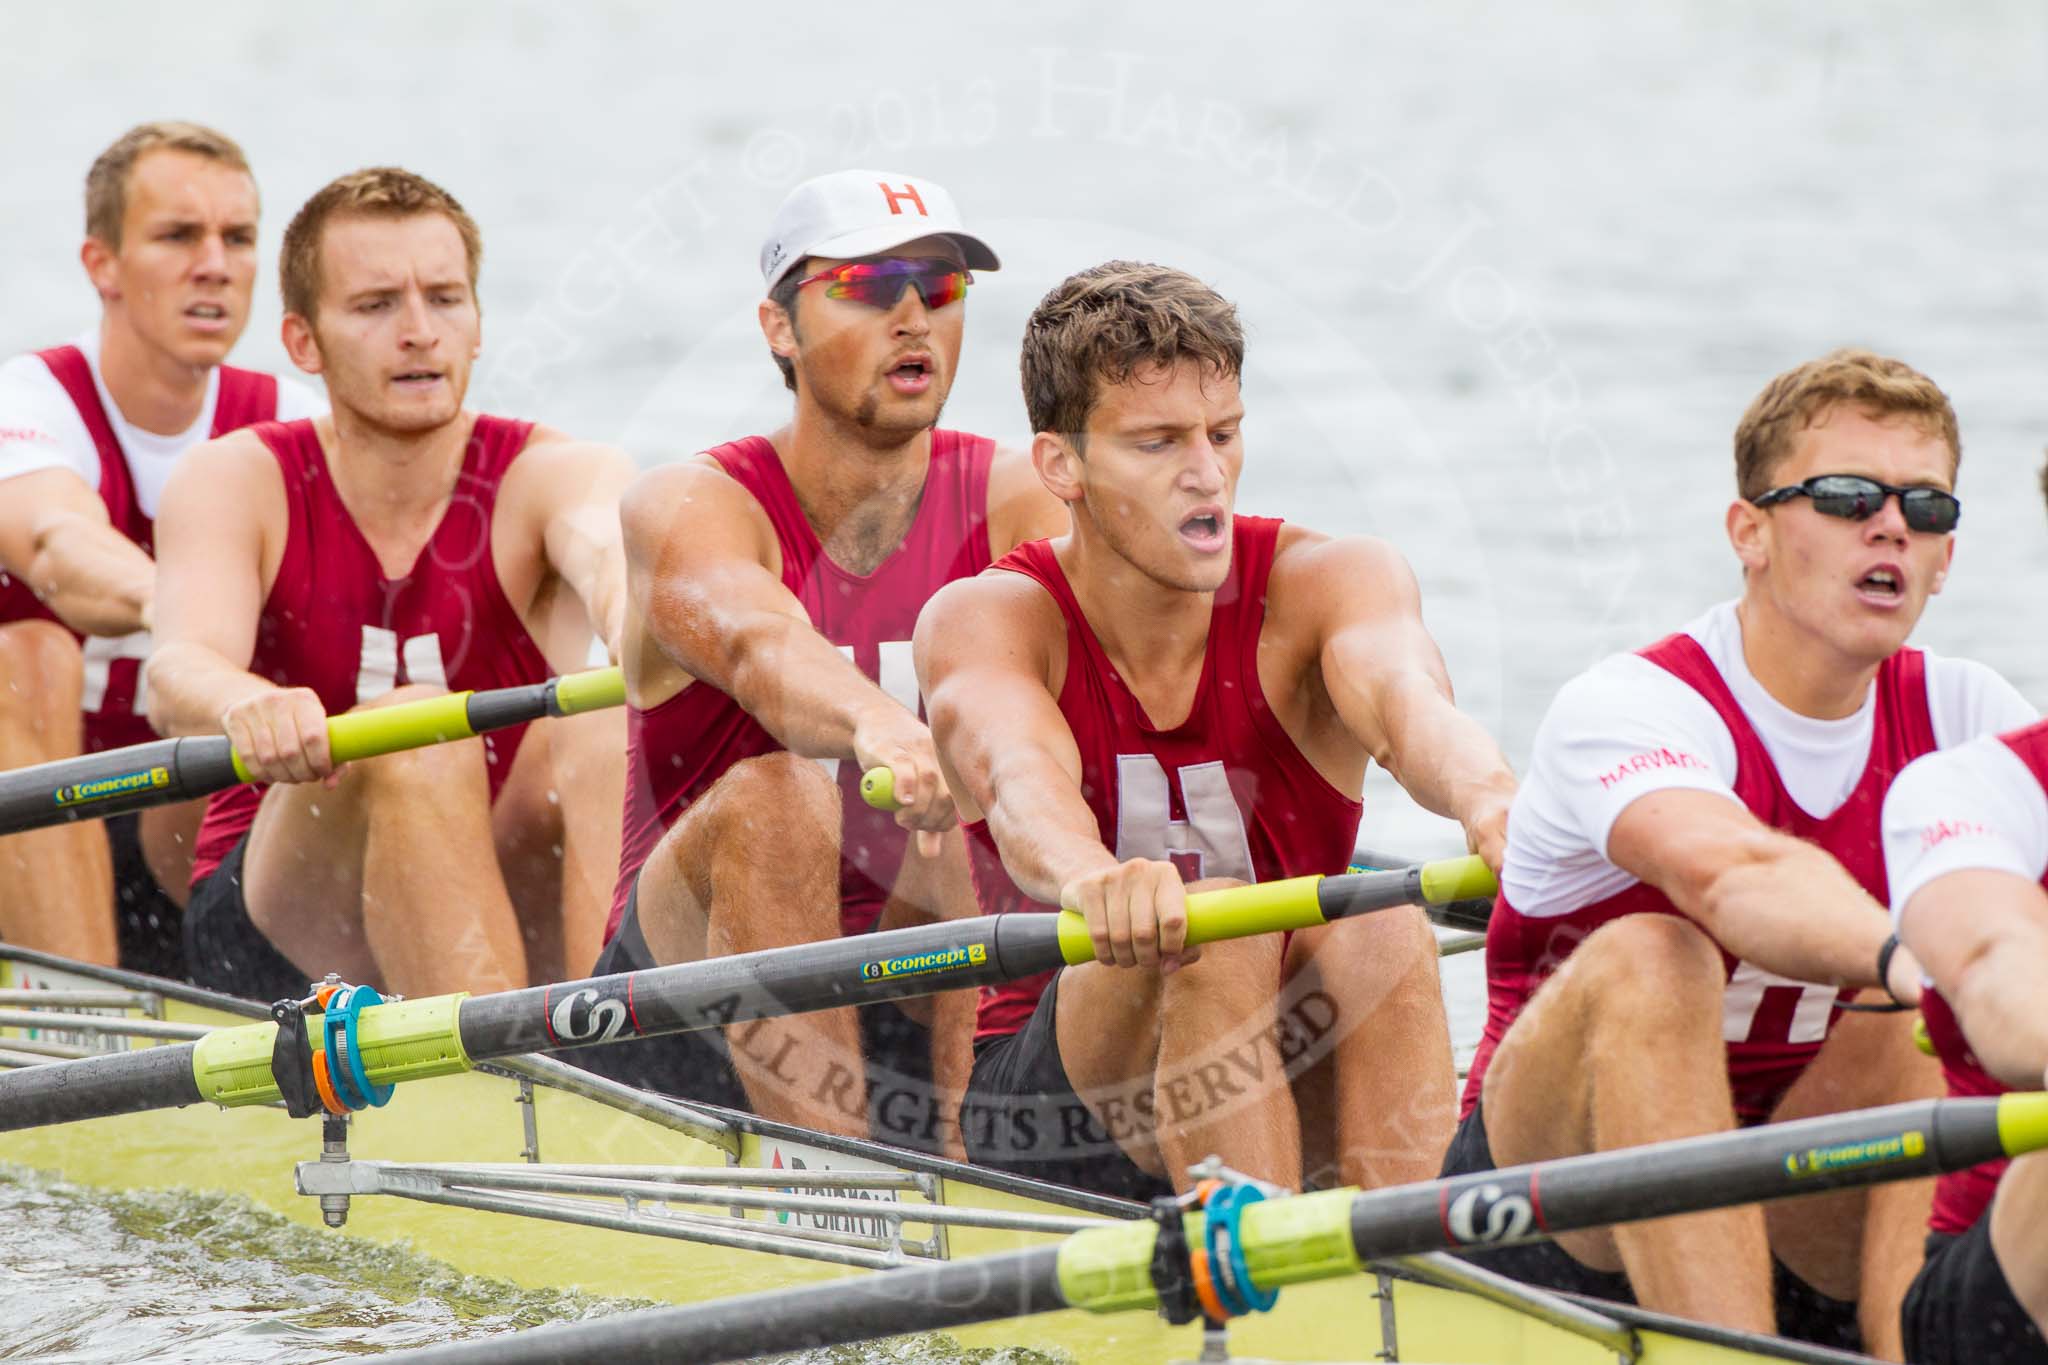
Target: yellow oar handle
x,y
436,720
591,690
1305,902
1458,879
878,789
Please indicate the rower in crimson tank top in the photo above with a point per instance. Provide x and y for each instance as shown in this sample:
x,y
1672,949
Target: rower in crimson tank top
x,y
676,750
334,623
244,398
1962,1197
1773,1026
1226,793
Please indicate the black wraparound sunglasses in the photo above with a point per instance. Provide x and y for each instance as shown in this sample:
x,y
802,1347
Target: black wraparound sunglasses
x,y
1856,498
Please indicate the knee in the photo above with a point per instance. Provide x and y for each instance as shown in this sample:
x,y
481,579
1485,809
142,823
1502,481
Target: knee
x,y
1646,964
430,769
782,799
1241,969
42,670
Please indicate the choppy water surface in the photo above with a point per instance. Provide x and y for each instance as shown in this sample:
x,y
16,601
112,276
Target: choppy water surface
x,y
1511,274
86,1275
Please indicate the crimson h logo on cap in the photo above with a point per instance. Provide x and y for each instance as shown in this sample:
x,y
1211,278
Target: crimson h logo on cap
x,y
898,198
849,214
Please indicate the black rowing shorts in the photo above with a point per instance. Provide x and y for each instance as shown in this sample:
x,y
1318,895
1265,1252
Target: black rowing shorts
x,y
1021,1115
223,946
1961,1310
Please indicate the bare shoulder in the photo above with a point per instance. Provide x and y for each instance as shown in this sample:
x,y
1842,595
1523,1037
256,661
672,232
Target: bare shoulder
x,y
239,461
1353,576
994,616
1020,507
551,451
696,496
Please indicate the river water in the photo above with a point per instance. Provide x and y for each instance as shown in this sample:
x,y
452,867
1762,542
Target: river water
x,y
1511,274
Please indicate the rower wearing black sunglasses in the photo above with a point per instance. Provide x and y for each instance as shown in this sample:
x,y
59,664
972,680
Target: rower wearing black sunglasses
x,y
1852,497
775,580
1692,894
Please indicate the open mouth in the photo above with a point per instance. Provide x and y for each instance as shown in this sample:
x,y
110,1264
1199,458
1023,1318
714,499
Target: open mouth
x,y
912,374
1203,529
1882,584
207,314
417,378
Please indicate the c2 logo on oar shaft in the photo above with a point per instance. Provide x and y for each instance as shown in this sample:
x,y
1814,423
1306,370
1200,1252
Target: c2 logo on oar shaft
x,y
1485,1214
585,1016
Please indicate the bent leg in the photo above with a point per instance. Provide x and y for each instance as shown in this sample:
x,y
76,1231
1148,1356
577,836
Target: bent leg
x,y
1623,1047
2016,1215
167,834
556,823
1865,1245
56,884
1379,1103
1182,1066
927,891
390,876
753,864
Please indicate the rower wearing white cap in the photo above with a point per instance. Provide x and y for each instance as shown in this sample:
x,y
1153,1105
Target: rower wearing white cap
x,y
775,581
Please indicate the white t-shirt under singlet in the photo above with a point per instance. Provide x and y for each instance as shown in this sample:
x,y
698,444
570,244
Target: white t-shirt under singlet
x,y
1627,727
40,427
1973,807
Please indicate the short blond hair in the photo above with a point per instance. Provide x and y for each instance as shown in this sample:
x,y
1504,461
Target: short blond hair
x,y
106,184
1873,384
379,192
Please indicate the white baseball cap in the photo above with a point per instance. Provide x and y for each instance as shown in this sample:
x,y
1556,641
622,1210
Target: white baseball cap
x,y
858,213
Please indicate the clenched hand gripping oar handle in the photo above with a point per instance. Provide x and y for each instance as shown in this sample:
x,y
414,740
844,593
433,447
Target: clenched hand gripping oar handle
x,y
166,770
1272,906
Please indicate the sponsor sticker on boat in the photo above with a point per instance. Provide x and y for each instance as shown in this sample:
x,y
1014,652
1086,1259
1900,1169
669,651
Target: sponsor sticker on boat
x,y
777,1155
22,976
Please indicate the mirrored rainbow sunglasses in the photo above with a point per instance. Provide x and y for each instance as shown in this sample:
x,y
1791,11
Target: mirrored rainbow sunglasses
x,y
880,283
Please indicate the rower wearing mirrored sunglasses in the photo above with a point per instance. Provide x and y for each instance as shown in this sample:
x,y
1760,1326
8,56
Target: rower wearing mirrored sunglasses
x,y
775,582
1691,918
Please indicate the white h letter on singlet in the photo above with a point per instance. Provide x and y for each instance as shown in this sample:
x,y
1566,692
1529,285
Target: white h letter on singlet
x,y
101,653
1213,832
377,662
898,681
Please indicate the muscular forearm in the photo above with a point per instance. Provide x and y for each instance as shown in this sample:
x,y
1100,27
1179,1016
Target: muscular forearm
x,y
191,687
1043,827
1793,910
1441,756
1998,1002
799,688
95,579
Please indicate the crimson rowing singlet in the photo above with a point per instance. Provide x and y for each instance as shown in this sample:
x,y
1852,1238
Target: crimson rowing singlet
x,y
244,398
333,622
1223,794
676,750
1961,1197
1774,1026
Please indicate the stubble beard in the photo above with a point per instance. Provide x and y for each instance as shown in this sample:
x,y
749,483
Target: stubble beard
x,y
1126,547
867,418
